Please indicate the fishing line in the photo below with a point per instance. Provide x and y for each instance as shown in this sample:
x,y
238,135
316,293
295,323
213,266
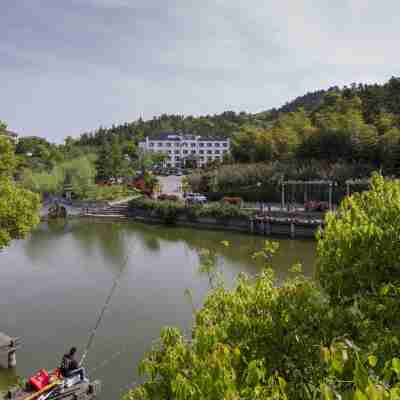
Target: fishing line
x,y
106,304
110,359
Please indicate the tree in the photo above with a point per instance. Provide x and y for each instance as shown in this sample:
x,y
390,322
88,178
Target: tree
x,y
80,173
104,164
19,208
359,251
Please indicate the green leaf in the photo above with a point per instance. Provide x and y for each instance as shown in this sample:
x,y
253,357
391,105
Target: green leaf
x,y
372,360
396,366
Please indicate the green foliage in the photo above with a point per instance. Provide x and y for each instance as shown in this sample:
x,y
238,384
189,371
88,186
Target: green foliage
x,y
78,173
7,159
358,252
113,192
169,211
261,181
38,154
110,162
19,208
247,343
166,210
222,211
357,375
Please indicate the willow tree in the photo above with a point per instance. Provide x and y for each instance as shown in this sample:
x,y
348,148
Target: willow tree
x,y
19,208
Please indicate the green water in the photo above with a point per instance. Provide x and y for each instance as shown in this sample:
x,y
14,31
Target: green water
x,y
53,284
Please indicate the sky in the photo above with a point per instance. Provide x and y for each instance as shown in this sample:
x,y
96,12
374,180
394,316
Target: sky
x,y
69,66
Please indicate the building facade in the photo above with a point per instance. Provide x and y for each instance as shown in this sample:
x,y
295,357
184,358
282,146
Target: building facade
x,y
183,150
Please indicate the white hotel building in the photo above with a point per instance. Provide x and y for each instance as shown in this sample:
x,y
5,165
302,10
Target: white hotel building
x,y
182,148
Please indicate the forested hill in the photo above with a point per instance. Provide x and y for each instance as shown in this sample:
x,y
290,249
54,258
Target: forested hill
x,y
375,99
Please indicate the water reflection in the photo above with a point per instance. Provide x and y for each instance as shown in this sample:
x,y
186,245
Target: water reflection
x,y
8,378
53,284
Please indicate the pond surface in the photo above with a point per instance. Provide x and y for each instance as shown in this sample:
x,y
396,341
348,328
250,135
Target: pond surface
x,y
53,285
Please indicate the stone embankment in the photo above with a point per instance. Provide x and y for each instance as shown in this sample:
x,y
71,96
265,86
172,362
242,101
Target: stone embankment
x,y
300,225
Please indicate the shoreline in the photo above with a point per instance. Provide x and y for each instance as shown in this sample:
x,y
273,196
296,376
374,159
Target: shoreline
x,y
282,230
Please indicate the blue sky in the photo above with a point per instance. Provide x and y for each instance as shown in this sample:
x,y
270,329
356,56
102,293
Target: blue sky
x,y
67,66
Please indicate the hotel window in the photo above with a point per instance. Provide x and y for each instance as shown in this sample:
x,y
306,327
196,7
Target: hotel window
x,y
209,152
168,144
209,144
216,151
176,151
177,158
216,144
225,144
201,151
193,144
160,144
201,144
185,151
193,151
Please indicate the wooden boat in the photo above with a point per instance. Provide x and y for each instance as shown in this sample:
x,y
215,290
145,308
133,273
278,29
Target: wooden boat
x,y
58,388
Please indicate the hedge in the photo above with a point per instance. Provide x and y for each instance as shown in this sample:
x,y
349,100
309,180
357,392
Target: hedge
x,y
169,211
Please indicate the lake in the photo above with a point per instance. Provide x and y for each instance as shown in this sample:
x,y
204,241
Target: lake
x,y
54,284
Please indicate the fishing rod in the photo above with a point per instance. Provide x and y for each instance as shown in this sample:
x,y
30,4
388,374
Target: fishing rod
x,y
100,317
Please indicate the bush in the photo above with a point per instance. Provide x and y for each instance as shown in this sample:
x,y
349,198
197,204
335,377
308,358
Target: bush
x,y
109,192
222,211
166,210
359,251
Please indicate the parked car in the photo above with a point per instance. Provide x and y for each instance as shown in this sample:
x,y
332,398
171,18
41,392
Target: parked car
x,y
195,198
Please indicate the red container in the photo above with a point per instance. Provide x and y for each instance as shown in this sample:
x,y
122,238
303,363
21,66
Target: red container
x,y
40,379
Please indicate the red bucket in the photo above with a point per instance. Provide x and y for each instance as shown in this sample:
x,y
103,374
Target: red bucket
x,y
40,379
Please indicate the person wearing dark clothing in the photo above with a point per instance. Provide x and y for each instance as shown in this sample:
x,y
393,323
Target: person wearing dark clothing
x,y
69,366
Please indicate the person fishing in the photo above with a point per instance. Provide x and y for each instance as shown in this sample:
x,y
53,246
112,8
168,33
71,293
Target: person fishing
x,y
69,366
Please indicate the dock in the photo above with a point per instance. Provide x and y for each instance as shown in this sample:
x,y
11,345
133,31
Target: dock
x,y
8,348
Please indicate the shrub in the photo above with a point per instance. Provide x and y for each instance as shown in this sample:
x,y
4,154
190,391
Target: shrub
x,y
109,192
242,341
222,211
166,210
359,251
